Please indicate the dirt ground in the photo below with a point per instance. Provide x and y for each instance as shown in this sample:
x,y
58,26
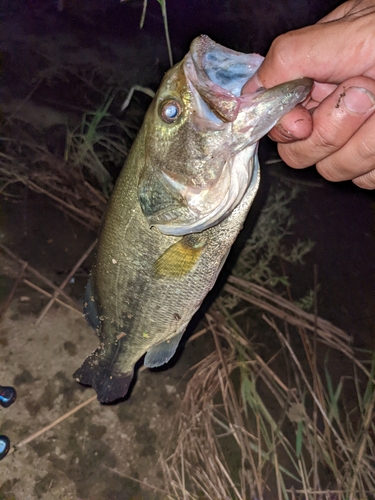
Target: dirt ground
x,y
101,452
111,452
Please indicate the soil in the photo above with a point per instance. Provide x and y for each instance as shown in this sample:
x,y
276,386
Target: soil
x,y
111,452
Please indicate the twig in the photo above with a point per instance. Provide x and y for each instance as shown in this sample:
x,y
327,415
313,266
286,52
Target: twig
x,y
14,113
139,88
88,225
50,426
65,282
316,385
288,305
36,273
122,474
163,6
39,189
95,192
46,294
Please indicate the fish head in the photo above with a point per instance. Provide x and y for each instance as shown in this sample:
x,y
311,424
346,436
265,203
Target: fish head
x,y
201,136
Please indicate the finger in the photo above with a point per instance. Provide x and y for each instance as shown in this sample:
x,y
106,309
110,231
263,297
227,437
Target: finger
x,y
251,85
317,52
355,160
366,181
350,9
339,12
294,126
297,124
335,121
322,90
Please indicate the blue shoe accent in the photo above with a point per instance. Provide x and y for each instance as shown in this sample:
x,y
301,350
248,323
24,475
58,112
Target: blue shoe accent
x,y
4,446
7,396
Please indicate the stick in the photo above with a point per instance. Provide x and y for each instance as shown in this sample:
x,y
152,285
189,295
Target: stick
x,y
39,189
287,304
65,282
50,426
46,294
122,474
36,273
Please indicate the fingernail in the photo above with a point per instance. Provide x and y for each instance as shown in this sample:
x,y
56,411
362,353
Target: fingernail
x,y
285,134
251,85
358,100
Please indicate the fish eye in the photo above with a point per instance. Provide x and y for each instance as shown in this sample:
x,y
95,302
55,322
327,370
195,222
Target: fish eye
x,y
170,110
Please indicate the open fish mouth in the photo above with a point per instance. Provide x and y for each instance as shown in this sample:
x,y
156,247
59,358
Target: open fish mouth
x,y
203,192
218,75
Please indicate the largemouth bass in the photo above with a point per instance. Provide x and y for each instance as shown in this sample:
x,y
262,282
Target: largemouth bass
x,y
177,207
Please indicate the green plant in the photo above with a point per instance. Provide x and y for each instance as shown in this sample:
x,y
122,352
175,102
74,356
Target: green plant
x,y
97,142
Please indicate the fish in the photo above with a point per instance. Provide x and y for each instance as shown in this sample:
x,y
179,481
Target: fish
x,y
177,207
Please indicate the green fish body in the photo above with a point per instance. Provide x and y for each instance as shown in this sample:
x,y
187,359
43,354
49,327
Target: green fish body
x,y
177,207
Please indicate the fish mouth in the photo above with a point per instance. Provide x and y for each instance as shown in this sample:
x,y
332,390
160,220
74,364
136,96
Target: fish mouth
x,y
218,75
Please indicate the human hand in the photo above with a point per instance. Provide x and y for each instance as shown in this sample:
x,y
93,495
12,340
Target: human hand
x,y
335,127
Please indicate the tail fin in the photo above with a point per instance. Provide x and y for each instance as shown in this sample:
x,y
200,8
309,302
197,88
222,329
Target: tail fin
x,y
108,384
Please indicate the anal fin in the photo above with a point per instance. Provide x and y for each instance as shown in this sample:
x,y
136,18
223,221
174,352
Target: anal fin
x,y
161,353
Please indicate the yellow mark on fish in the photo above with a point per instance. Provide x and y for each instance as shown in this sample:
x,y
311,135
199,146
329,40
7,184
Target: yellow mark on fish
x,y
180,258
145,335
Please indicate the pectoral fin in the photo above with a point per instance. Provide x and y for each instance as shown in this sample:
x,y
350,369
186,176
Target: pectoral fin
x,y
180,258
160,354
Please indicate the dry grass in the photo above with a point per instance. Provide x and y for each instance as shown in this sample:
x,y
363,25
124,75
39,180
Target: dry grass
x,y
78,180
277,429
26,160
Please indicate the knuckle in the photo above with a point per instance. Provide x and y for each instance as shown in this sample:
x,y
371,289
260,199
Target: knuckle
x,y
326,137
280,50
290,155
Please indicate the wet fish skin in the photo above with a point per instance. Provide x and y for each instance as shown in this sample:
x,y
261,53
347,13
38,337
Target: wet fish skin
x,y
177,207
